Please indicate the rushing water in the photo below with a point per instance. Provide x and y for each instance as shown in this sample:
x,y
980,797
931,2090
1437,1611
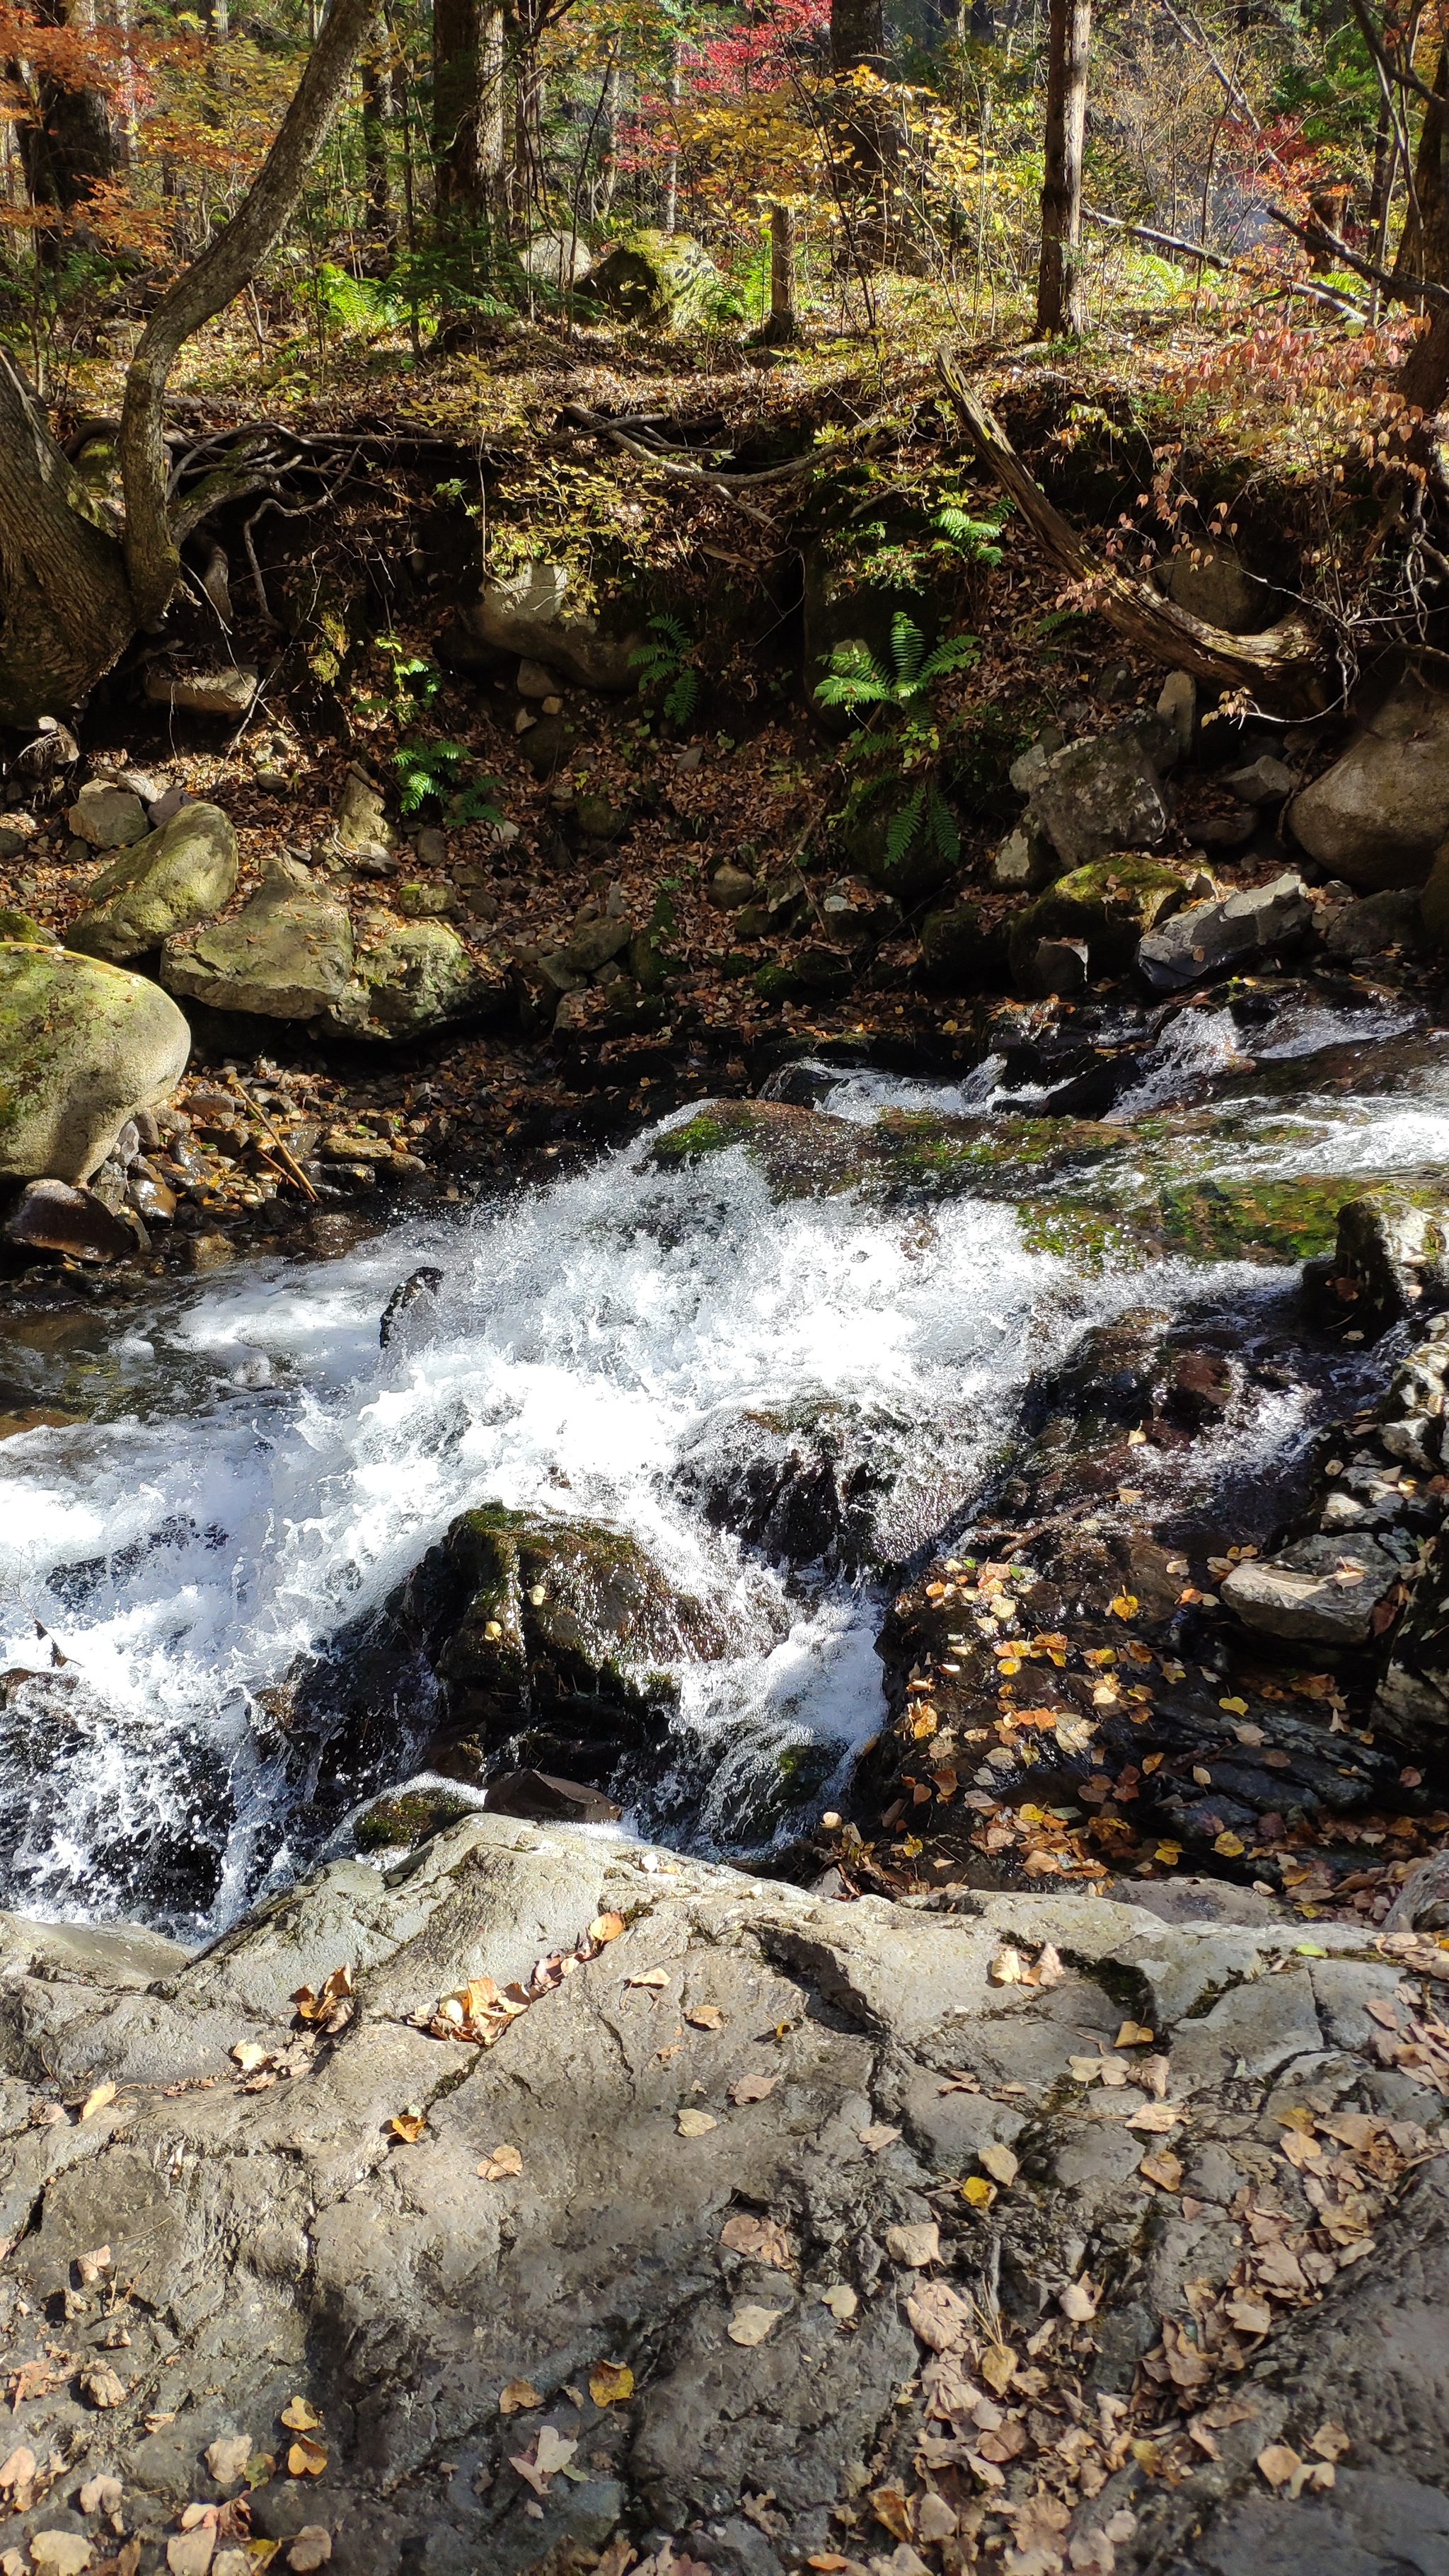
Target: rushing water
x,y
254,1470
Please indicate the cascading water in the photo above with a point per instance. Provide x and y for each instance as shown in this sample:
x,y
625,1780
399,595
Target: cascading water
x,y
255,1471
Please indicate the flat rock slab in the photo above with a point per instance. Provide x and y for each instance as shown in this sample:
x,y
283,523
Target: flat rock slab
x,y
1320,1591
687,2252
164,883
286,955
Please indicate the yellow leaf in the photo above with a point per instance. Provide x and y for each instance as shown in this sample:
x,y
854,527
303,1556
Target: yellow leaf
x,y
306,2459
500,2162
1006,1967
610,2383
998,2363
1169,1854
97,2101
704,2016
1125,1605
298,2417
409,2124
606,1927
519,2393
1133,2034
1230,1845
1234,1707
693,2124
978,2191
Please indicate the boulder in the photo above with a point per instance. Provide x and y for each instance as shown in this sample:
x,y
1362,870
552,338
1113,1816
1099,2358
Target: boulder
x,y
1378,816
1109,904
1320,1591
287,955
658,281
1026,860
227,692
166,883
1217,938
410,977
523,618
1099,796
558,260
1056,966
83,1045
1393,919
1434,901
1177,707
108,817
545,1799
1212,583
1391,1259
53,1217
954,953
360,828
596,943
730,889
1264,781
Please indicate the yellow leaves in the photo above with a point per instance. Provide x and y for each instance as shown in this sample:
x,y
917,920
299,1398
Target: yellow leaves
x,y
605,1927
298,2417
704,2016
499,2163
409,2123
1234,1707
752,2087
98,2100
978,2191
611,2383
518,2397
759,2237
1133,2034
333,2008
479,2011
1231,1845
693,2124
1125,1605
306,2458
1169,1854
924,1721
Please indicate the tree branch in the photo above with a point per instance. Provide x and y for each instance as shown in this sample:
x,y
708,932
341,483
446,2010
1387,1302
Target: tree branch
x,y
1321,236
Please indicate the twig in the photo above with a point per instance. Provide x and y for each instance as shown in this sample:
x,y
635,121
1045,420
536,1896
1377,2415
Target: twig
x,y
1212,258
289,1159
1403,290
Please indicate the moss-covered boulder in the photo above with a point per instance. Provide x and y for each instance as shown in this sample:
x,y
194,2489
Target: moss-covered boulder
x,y
286,955
168,882
412,976
805,1153
83,1045
408,1816
660,281
1111,904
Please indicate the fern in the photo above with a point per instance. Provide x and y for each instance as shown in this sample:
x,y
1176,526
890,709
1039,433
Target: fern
x,y
665,670
428,774
974,538
903,827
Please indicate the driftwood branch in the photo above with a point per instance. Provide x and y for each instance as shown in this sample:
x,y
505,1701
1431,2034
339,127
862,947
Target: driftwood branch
x,y
1177,248
1280,663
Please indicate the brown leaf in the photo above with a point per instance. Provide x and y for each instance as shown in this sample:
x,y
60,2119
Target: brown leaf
x,y
877,2137
704,2016
760,2237
1160,2116
306,2458
1331,2441
99,2100
190,2553
1249,2315
499,2163
549,2452
1078,2301
102,2495
227,2458
19,2469
752,2087
1134,2034
750,2325
611,2383
103,2387
519,2395
1007,1966
311,2548
298,2417
1000,2163
693,2124
997,2366
1278,2463
913,2246
409,2124
649,1977
91,2266
1163,2168
1049,1968
605,1927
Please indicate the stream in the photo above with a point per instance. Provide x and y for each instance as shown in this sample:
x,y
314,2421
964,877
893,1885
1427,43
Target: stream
x,y
252,1471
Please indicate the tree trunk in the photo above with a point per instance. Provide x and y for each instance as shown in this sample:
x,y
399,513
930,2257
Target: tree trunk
x,y
377,222
79,139
1424,249
65,610
455,106
784,322
153,563
1061,301
670,216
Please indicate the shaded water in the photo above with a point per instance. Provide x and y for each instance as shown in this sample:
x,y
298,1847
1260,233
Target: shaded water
x,y
254,1470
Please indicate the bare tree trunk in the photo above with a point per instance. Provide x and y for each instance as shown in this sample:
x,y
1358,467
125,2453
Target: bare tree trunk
x,y
857,43
671,167
456,103
153,563
377,222
77,139
65,610
1061,295
784,322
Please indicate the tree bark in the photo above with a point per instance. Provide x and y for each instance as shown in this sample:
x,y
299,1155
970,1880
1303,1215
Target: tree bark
x,y
78,139
1061,300
1424,249
857,43
153,563
377,221
783,325
65,609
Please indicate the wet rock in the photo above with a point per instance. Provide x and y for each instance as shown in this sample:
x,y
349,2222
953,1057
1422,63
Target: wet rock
x,y
210,1251
1060,966
657,280
287,955
228,692
108,817
1226,831
1096,797
525,618
423,1282
1217,938
82,1046
1377,817
169,881
1199,1386
53,1217
1391,1258
408,1816
1380,921
545,1799
412,977
1109,904
806,1484
1319,1591
1212,583
957,954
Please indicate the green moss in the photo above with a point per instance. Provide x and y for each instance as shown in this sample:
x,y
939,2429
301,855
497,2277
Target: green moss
x,y
410,1817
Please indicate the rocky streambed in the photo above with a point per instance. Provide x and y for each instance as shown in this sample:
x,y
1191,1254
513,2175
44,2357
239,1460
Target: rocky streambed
x,y
761,1888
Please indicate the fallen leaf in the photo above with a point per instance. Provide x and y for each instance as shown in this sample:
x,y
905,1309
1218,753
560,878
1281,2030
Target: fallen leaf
x,y
760,2237
298,2417
693,2124
1006,1968
1234,1707
517,2396
1163,2168
1124,1606
934,2519
101,2495
1250,2316
1134,2034
91,2266
99,2100
1232,1846
227,2458
306,2458
704,2016
1278,2463
751,2325
1049,1968
751,2087
841,2300
1084,2070
409,2123
879,2135
649,1977
311,2548
499,2163
914,2246
549,2453
19,2469
1331,2441
1000,2163
104,2387
250,2054
997,2366
64,2553
1078,2301
978,2191
605,1927
610,2383
1091,2553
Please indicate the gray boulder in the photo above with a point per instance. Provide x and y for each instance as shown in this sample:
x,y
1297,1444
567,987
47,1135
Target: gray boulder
x,y
1321,1591
1264,781
1391,1258
287,955
524,618
1377,817
109,817
360,828
557,259
83,1045
412,976
1389,920
166,883
1214,938
226,692
1093,798
1026,860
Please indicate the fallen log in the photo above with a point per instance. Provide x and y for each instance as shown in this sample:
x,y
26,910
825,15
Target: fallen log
x,y
1281,665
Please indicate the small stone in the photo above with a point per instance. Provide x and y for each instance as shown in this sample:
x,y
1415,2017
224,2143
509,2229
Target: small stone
x,y
1177,706
1058,966
729,888
1209,938
208,1252
431,846
1264,782
53,1217
204,693
536,681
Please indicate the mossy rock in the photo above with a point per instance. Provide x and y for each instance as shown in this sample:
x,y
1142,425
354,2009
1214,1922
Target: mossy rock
x,y
169,881
19,926
1111,904
773,982
82,1045
409,1816
660,281
805,1153
412,977
957,955
919,870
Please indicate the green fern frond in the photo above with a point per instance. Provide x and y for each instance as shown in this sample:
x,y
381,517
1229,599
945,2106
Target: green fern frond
x,y
941,825
908,645
903,828
960,653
